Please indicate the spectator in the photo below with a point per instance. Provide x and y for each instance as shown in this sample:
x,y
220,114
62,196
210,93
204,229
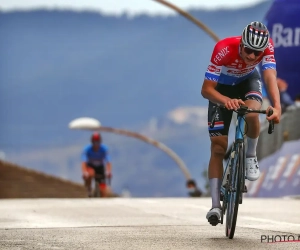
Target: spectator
x,y
194,191
297,100
285,98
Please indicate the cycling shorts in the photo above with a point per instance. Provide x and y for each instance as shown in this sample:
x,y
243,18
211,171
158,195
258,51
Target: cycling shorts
x,y
99,172
249,89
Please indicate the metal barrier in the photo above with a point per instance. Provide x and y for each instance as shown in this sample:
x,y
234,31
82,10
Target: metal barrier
x,y
287,130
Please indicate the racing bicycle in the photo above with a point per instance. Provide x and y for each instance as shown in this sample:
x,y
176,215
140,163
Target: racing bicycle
x,y
233,181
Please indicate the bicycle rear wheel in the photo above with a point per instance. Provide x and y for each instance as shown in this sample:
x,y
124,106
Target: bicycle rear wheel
x,y
234,190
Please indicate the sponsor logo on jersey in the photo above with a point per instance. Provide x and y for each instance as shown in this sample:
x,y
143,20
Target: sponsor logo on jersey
x,y
259,86
271,47
240,72
269,59
221,54
213,69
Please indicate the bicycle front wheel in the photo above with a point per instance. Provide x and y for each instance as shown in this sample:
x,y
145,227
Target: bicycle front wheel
x,y
234,191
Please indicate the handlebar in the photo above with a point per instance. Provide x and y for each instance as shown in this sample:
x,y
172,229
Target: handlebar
x,y
243,110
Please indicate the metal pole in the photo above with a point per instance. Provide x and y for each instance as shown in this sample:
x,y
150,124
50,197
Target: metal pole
x,y
153,142
191,18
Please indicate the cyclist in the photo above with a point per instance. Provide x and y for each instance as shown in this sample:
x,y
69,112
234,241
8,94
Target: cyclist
x,y
95,160
232,80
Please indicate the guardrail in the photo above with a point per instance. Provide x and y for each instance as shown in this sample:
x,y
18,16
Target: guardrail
x,y
287,130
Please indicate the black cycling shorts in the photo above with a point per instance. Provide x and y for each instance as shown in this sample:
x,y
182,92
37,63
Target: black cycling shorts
x,y
249,89
99,172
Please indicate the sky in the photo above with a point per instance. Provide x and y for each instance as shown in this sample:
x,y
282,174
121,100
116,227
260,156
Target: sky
x,y
117,7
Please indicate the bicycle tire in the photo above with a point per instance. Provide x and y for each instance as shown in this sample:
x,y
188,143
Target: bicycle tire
x,y
228,175
243,175
224,190
235,190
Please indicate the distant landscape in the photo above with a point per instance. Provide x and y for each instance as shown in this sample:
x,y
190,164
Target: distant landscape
x,y
142,74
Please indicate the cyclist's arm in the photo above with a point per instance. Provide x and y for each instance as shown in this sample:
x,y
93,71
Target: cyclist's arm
x,y
84,160
84,167
108,168
209,92
108,165
272,87
270,79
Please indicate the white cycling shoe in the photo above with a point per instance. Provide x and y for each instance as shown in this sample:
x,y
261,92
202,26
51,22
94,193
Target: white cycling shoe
x,y
214,216
252,169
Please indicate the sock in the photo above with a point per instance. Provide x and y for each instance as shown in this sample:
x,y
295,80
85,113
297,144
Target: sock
x,y
215,185
251,147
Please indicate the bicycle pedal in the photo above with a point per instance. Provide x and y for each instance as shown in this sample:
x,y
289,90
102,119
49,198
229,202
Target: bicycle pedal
x,y
213,220
245,189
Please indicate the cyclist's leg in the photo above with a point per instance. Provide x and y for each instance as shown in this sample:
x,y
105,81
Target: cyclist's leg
x,y
219,142
251,93
88,179
215,168
100,176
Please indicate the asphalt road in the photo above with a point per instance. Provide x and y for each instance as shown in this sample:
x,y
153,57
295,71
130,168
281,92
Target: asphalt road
x,y
137,223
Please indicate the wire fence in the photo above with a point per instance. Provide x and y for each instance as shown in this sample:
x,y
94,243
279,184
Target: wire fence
x,y
287,130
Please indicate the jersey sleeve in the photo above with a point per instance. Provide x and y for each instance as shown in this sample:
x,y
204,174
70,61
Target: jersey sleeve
x,y
217,60
84,153
268,60
106,154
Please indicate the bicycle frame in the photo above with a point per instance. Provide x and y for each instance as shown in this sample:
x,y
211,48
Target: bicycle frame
x,y
240,128
239,137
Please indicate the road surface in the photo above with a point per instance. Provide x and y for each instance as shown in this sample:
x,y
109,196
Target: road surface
x,y
144,223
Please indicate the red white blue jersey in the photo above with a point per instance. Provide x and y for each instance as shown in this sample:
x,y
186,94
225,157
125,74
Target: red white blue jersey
x,y
227,67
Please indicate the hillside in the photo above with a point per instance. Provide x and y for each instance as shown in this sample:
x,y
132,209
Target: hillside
x,y
19,182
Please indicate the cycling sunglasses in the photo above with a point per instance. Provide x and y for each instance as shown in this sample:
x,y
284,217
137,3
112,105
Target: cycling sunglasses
x,y
250,51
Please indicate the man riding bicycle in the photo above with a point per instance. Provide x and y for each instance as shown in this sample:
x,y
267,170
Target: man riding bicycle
x,y
232,80
96,163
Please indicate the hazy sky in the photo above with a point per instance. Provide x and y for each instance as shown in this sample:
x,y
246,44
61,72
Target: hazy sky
x,y
119,6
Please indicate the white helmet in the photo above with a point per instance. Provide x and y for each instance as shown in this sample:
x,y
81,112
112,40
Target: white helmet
x,y
256,36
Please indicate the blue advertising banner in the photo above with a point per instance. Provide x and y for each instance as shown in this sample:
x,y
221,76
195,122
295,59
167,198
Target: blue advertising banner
x,y
280,173
283,22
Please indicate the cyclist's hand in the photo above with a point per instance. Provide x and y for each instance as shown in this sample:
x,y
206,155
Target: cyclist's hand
x,y
234,104
275,116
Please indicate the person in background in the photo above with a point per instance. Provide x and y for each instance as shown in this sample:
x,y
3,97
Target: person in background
x,y
96,161
285,98
194,191
297,100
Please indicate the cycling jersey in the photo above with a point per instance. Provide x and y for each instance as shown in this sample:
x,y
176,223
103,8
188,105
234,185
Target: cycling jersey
x,y
95,158
227,67
249,89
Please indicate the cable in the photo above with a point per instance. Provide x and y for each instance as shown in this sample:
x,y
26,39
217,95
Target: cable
x,y
246,125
